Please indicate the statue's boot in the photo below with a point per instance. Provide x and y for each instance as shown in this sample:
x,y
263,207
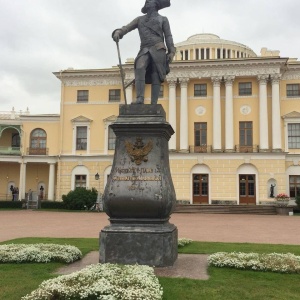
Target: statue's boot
x,y
155,89
140,86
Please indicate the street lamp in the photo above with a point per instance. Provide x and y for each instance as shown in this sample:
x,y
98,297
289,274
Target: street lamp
x,y
99,202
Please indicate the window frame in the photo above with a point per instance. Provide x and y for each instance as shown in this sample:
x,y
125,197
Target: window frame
x,y
41,139
245,88
294,194
77,148
114,95
247,145
297,137
200,92
80,181
294,92
84,97
200,134
111,142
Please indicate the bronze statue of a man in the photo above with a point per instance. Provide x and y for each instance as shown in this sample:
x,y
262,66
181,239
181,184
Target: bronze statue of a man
x,y
152,63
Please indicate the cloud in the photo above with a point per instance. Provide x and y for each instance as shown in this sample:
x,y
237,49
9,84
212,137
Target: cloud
x,y
39,37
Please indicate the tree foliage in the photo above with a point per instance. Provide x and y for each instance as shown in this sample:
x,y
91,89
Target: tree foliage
x,y
80,199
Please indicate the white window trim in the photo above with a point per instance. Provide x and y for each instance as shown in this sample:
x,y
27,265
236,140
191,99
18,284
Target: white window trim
x,y
83,124
107,123
288,121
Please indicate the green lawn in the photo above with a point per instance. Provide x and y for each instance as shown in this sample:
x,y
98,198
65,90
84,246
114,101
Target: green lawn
x,y
18,280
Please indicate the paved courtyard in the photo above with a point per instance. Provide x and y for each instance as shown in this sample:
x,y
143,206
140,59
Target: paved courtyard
x,y
199,227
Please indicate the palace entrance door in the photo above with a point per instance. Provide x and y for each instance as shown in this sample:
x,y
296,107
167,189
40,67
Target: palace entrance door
x,y
200,188
247,189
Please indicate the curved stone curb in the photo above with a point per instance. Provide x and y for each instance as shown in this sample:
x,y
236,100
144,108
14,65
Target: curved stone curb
x,y
192,266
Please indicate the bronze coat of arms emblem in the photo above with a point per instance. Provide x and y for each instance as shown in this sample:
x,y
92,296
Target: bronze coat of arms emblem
x,y
138,151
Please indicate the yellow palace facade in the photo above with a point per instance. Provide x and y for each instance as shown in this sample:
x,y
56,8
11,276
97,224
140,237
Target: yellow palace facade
x,y
236,117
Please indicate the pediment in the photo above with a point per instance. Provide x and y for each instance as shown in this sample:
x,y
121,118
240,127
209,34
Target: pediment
x,y
110,119
81,119
292,115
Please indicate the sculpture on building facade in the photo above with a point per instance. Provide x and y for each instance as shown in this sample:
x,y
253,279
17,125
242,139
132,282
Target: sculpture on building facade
x,y
156,50
272,190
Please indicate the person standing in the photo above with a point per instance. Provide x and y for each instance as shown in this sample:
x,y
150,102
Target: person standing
x,y
157,48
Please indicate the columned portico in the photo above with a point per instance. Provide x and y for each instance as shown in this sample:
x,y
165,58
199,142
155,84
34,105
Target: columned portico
x,y
184,115
263,114
172,111
217,147
276,119
229,141
51,181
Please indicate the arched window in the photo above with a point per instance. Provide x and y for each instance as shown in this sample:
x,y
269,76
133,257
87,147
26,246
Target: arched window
x,y
38,140
15,140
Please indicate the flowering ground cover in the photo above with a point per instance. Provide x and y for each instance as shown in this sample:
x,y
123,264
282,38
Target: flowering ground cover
x,y
40,253
18,280
102,281
274,262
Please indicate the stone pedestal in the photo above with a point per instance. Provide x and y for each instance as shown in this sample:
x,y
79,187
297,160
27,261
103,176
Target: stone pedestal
x,y
140,196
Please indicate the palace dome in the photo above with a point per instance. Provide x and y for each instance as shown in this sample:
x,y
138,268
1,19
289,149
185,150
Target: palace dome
x,y
211,46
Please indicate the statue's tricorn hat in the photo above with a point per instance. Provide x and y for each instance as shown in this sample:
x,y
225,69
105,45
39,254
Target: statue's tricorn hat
x,y
161,4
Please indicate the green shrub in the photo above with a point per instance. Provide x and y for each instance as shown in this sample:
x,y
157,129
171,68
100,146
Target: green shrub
x,y
298,201
80,199
11,204
52,205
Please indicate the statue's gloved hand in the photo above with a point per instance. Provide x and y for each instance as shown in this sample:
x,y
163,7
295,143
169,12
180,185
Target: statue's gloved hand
x,y
116,36
170,57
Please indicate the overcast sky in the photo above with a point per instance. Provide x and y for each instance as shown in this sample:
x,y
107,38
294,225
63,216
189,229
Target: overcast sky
x,y
38,37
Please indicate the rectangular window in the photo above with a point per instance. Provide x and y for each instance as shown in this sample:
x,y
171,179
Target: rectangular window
x,y
80,181
228,53
81,138
200,137
197,54
293,90
245,88
202,53
161,92
294,136
224,53
207,53
218,53
294,183
115,95
186,55
246,137
82,96
111,139
200,90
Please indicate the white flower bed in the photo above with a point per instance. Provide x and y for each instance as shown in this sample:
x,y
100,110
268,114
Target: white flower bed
x,y
183,242
282,263
41,253
102,281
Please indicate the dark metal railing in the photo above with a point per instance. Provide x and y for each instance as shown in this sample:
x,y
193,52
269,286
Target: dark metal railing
x,y
37,151
201,149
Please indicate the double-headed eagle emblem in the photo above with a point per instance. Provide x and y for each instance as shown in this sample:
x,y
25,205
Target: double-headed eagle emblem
x,y
138,152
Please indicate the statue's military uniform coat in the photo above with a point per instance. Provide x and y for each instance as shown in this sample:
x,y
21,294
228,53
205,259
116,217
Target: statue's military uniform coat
x,y
154,32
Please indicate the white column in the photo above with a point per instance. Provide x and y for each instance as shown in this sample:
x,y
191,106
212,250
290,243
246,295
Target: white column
x,y
229,141
217,114
172,112
22,182
51,181
263,114
204,53
129,92
276,116
184,115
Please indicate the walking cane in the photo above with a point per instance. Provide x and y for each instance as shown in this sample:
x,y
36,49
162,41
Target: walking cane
x,y
122,73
